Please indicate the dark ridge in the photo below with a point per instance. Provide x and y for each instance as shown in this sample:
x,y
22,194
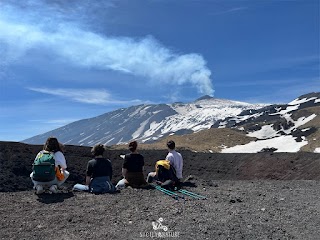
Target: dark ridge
x,y
16,164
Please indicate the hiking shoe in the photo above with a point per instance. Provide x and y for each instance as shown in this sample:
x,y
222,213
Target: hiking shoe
x,y
63,189
39,189
53,189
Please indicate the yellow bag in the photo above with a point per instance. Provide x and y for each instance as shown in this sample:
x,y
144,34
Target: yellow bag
x,y
164,163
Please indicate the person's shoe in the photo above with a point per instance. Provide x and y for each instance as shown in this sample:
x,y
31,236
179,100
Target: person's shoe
x,y
39,189
53,189
63,189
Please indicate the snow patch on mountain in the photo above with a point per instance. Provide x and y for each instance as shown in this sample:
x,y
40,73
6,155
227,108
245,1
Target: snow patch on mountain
x,y
267,131
298,101
282,144
282,134
140,130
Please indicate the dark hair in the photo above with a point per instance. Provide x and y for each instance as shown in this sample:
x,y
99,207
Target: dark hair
x,y
52,145
171,145
133,146
98,150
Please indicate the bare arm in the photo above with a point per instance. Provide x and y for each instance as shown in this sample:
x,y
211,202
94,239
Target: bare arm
x,y
88,180
124,172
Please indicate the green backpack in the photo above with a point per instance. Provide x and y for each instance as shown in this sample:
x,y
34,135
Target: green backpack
x,y
44,167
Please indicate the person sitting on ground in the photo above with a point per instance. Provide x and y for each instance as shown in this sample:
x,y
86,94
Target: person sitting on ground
x,y
49,168
132,169
164,175
175,159
98,174
168,172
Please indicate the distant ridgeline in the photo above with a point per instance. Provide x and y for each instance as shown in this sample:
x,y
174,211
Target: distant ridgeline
x,y
288,127
146,123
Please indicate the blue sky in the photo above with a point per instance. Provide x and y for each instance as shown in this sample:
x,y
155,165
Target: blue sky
x,y
67,60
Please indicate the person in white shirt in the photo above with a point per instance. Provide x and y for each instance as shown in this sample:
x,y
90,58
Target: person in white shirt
x,y
175,158
176,162
53,146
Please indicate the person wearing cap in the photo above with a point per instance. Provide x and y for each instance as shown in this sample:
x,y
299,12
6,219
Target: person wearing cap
x,y
132,169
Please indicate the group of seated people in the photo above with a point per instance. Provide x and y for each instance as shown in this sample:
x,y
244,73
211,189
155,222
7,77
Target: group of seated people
x,y
168,172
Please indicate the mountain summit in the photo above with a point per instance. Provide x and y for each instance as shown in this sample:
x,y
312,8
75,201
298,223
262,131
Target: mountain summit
x,y
205,97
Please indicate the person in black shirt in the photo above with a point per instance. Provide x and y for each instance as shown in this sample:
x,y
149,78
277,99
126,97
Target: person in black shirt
x,y
132,169
99,166
98,174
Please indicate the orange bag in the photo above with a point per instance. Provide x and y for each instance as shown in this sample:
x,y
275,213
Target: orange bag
x,y
59,174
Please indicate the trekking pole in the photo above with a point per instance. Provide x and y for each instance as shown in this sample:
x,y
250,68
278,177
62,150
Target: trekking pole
x,y
168,192
191,194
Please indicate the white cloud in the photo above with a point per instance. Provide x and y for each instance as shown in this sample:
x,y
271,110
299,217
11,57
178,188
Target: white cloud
x,y
78,95
58,122
231,10
145,57
91,96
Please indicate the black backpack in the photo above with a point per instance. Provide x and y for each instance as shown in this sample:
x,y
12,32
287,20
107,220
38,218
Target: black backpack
x,y
167,174
168,177
44,167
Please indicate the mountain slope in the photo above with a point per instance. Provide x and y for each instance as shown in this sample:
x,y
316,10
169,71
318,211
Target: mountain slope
x,y
146,123
283,128
207,140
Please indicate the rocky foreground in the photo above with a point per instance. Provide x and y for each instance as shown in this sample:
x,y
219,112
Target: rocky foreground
x,y
249,196
233,210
